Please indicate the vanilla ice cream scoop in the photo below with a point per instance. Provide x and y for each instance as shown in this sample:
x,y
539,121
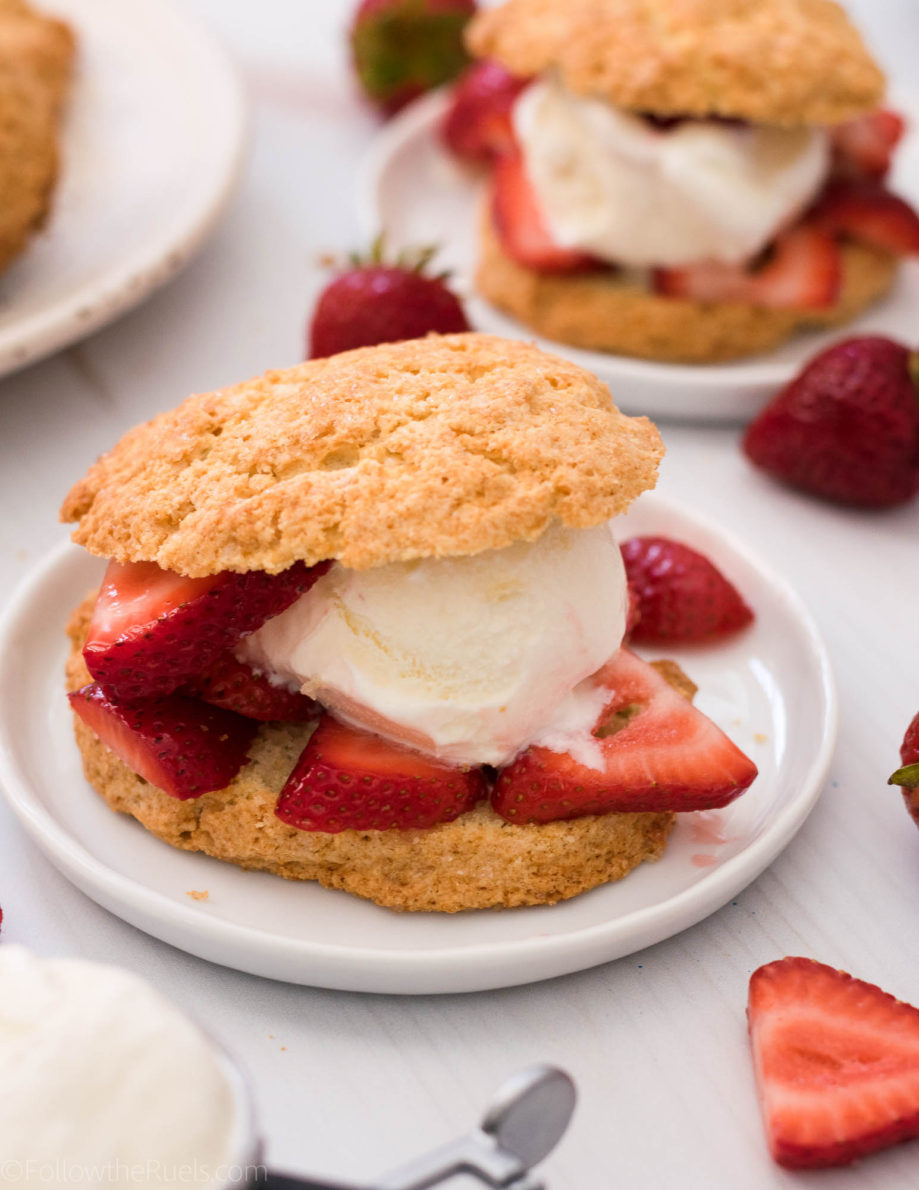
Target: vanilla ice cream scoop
x,y
463,658
615,185
99,1072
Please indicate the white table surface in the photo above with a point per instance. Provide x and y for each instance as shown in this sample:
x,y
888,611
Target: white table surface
x,y
348,1085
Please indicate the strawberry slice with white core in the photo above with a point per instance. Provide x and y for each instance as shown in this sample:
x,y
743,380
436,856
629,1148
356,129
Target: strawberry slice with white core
x,y
652,751
867,211
348,779
804,272
152,628
238,687
183,747
863,147
836,1062
521,225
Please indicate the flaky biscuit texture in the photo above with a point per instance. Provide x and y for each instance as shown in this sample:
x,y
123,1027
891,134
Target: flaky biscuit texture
x,y
36,60
786,62
478,861
434,447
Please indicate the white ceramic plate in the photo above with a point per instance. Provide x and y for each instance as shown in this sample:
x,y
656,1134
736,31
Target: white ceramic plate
x,y
151,149
770,689
412,189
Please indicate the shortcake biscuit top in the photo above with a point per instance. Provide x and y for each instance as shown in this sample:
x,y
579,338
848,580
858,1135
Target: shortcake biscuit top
x,y
433,447
787,62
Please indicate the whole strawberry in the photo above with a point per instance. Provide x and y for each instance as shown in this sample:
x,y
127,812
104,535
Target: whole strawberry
x,y
847,428
907,775
402,48
678,595
375,302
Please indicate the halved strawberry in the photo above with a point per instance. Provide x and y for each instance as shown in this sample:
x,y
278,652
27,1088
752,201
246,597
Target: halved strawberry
x,y
867,211
803,272
477,126
348,779
521,225
863,147
655,750
836,1062
238,687
153,628
681,595
182,746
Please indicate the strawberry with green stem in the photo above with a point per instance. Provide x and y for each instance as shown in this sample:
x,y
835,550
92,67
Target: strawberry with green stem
x,y
402,48
373,301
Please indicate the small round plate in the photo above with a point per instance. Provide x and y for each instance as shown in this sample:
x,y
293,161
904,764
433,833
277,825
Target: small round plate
x,y
413,190
152,145
770,689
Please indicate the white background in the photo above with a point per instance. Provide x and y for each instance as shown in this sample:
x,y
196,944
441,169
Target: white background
x,y
348,1085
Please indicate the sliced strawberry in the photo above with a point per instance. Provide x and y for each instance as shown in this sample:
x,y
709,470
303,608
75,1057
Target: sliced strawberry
x,y
863,147
681,595
153,628
836,1062
803,272
238,687
521,225
477,126
867,211
656,751
181,746
347,779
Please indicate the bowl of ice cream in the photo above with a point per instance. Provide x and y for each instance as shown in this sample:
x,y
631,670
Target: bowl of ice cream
x,y
85,1050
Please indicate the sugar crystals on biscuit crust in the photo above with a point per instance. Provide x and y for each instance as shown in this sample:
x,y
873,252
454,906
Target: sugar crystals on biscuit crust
x,y
429,448
772,61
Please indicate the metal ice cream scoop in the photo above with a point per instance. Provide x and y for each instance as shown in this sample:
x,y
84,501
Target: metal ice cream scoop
x,y
526,1120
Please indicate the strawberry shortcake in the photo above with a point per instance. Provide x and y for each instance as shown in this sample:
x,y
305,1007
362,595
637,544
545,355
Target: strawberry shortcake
x,y
362,623
686,180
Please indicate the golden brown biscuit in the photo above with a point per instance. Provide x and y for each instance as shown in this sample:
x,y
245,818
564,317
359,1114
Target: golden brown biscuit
x,y
36,58
433,447
772,61
600,312
479,861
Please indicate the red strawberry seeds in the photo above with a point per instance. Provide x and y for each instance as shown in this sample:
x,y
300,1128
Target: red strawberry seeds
x,y
380,303
846,428
836,1063
682,597
232,684
348,779
181,746
152,628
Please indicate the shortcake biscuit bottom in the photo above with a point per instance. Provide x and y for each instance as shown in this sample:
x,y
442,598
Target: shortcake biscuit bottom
x,y
600,312
479,861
